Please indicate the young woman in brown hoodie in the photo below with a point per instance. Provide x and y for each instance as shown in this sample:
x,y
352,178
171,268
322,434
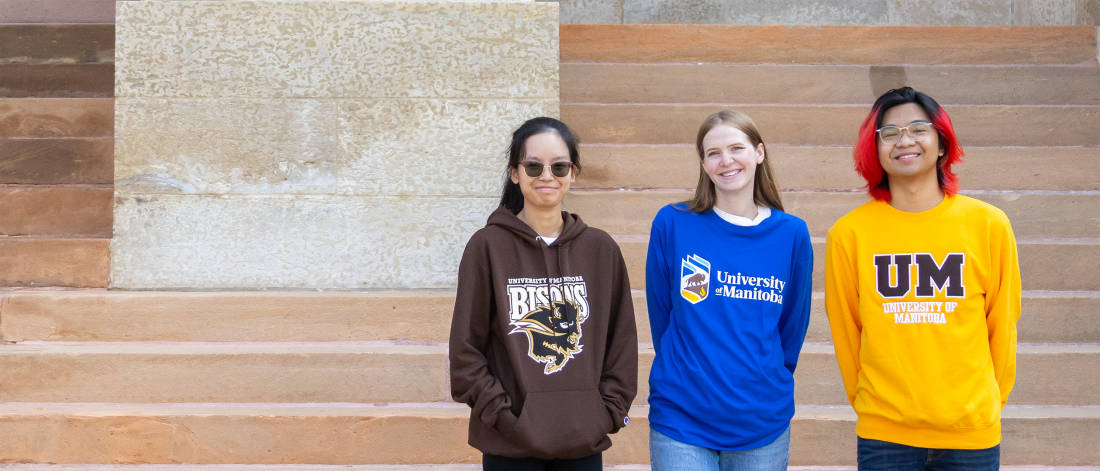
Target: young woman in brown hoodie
x,y
543,344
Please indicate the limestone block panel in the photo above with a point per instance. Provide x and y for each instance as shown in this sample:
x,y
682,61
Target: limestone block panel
x,y
429,147
225,146
291,241
950,12
755,12
336,48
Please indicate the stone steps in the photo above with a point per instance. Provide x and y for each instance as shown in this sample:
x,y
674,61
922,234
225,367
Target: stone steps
x,y
871,45
112,316
641,166
408,434
1033,214
805,84
387,372
824,125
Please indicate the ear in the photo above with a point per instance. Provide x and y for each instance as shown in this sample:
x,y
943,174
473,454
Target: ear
x,y
513,174
942,149
760,154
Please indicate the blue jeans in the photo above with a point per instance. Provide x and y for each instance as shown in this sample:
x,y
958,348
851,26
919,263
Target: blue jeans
x,y
667,454
877,455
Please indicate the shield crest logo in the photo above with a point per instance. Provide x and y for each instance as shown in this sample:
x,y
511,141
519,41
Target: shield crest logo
x,y
694,278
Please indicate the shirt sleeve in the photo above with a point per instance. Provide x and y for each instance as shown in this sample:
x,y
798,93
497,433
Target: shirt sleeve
x,y
795,316
842,308
658,284
1002,308
619,379
471,382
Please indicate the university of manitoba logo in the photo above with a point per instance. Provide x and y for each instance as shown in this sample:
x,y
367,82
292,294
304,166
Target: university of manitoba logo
x,y
694,278
934,281
550,312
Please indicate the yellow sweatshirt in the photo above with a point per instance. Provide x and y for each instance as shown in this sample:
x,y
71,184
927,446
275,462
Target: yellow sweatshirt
x,y
923,310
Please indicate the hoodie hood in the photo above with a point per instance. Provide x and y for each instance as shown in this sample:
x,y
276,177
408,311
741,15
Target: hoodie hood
x,y
505,219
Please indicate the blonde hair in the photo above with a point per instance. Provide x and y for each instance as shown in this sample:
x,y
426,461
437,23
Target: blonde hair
x,y
765,192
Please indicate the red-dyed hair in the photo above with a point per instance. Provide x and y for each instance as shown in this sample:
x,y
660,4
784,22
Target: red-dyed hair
x,y
865,151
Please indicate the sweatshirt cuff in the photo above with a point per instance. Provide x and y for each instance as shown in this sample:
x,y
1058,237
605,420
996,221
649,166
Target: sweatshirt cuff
x,y
506,422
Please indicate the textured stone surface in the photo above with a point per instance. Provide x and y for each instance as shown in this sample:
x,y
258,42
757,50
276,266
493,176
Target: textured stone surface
x,y
875,45
225,146
338,48
226,317
831,167
57,44
249,373
58,11
423,434
429,147
291,241
56,117
950,12
57,81
590,11
57,161
1046,12
825,84
755,12
77,263
79,212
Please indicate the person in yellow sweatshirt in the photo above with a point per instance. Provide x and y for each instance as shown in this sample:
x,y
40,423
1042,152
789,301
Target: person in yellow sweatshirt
x,y
922,290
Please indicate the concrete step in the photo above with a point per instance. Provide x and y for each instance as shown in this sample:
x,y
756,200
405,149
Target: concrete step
x,y
75,263
1033,214
57,44
57,81
409,434
823,125
825,84
831,167
56,211
874,45
1045,264
220,372
75,316
1067,374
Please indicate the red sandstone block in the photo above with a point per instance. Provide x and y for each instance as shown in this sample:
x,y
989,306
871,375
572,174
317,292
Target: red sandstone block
x,y
78,263
877,45
57,161
79,212
57,44
57,81
57,117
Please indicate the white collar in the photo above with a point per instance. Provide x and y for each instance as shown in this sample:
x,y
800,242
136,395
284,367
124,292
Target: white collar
x,y
762,213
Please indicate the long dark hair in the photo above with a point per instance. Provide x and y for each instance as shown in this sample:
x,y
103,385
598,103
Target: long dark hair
x,y
765,192
512,197
865,151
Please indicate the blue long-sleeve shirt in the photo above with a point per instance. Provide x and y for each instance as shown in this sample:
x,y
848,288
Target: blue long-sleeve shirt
x,y
728,307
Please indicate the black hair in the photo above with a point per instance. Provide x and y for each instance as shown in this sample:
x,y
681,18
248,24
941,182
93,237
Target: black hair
x,y
512,197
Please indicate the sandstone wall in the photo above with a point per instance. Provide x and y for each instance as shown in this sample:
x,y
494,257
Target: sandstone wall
x,y
320,144
834,12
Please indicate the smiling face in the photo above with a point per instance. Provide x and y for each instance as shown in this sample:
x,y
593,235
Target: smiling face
x,y
908,158
730,159
546,190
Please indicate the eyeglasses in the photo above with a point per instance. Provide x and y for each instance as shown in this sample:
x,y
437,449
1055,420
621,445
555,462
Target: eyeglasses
x,y
918,131
559,169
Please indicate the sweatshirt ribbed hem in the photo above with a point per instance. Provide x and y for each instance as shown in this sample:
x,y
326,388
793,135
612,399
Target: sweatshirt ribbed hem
x,y
877,428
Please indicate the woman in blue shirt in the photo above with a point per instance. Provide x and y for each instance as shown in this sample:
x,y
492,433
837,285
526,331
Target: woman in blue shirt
x,y
728,280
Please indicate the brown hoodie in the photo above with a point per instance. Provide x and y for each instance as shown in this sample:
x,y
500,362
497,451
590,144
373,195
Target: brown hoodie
x,y
546,376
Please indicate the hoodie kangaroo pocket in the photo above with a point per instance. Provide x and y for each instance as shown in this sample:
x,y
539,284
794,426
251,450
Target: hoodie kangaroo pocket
x,y
563,424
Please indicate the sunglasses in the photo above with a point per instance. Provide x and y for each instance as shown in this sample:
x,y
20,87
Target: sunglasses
x,y
918,131
559,169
